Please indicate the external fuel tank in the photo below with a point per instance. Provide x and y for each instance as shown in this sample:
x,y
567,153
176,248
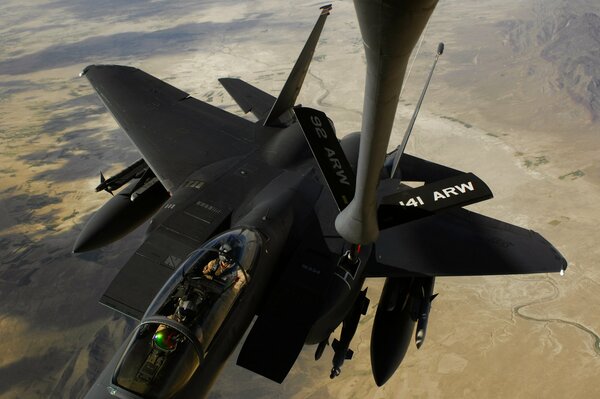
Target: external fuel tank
x,y
392,329
121,214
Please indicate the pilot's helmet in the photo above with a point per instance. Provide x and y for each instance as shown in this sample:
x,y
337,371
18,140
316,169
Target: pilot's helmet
x,y
226,253
185,309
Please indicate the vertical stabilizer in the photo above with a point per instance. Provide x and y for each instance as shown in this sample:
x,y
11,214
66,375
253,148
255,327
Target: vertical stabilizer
x,y
281,111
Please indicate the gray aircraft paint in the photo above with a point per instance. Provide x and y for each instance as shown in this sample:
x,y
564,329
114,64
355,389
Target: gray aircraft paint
x,y
390,30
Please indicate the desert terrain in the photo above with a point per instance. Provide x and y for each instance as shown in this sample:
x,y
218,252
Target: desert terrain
x,y
515,99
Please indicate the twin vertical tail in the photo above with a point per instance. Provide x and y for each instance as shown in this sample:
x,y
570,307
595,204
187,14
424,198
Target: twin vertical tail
x,y
361,215
280,114
457,189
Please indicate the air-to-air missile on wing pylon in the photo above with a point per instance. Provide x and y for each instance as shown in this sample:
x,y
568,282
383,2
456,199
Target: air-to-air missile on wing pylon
x,y
279,220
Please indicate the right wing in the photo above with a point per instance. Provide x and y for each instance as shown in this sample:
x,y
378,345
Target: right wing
x,y
175,133
462,243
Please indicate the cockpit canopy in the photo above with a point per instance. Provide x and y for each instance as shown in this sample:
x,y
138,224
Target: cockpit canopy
x,y
180,324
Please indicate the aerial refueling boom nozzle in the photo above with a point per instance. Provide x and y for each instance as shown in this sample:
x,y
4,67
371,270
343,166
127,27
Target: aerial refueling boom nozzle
x,y
387,50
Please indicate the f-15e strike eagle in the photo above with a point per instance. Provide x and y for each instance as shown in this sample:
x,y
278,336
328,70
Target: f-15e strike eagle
x,y
281,221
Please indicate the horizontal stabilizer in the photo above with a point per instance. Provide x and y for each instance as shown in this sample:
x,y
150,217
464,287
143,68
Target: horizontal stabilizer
x,y
248,97
415,203
329,154
462,243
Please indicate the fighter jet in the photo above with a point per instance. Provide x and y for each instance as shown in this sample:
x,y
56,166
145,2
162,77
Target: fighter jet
x,y
279,222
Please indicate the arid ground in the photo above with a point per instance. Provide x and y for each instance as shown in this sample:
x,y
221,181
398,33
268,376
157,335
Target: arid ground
x,y
515,99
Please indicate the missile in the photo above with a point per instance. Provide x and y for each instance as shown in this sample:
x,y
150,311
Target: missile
x,y
424,309
134,171
341,347
122,214
321,348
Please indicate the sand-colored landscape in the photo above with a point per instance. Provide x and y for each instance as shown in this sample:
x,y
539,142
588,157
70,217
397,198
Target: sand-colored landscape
x,y
514,100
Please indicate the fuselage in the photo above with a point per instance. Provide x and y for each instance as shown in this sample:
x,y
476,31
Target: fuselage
x,y
276,194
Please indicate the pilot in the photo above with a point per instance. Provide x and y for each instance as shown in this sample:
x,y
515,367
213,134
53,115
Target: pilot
x,y
224,268
186,309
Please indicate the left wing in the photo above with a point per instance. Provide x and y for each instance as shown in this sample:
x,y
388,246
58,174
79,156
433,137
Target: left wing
x,y
462,243
175,133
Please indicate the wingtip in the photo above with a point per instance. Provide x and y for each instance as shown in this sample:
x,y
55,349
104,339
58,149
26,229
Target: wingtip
x,y
91,67
85,70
